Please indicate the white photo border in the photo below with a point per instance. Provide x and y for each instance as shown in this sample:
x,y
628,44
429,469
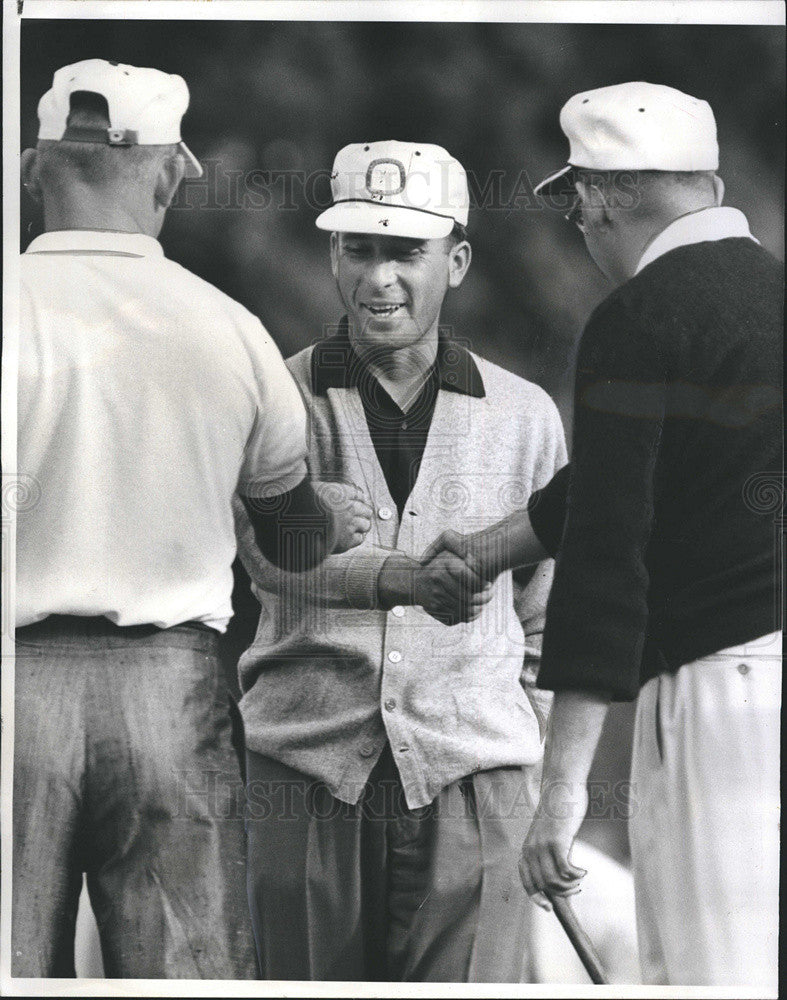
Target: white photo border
x,y
661,12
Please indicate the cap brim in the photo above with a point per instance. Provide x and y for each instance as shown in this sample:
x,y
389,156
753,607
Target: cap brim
x,y
560,178
385,220
193,166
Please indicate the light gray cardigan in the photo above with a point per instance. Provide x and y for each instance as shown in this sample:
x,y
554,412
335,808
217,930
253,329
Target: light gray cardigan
x,y
330,676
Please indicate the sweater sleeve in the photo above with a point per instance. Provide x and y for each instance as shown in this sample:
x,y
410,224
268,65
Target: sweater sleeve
x,y
347,580
598,610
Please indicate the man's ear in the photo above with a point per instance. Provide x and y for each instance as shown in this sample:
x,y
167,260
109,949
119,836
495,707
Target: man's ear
x,y
30,179
335,255
171,173
718,187
595,203
459,257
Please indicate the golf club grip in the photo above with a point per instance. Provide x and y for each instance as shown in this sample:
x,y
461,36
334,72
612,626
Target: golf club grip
x,y
578,938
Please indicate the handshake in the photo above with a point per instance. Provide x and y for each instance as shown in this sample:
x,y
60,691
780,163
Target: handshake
x,y
449,581
452,580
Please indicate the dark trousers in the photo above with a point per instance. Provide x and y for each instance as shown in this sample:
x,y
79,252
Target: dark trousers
x,y
123,770
380,892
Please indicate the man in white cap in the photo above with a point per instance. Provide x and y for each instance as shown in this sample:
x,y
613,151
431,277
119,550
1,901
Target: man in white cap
x,y
393,754
145,398
664,586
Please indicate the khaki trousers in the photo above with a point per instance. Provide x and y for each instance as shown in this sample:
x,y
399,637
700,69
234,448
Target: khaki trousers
x,y
379,892
705,832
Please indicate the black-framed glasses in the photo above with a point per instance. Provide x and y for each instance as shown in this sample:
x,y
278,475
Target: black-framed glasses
x,y
574,214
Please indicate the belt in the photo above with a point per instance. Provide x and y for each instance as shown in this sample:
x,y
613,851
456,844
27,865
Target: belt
x,y
98,625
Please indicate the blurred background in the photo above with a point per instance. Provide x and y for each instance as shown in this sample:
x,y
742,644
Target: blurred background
x,y
271,103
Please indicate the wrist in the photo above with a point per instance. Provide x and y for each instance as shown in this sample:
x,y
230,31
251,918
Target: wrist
x,y
396,581
331,532
562,802
485,549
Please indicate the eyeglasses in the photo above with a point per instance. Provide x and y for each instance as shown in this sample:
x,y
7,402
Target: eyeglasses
x,y
574,215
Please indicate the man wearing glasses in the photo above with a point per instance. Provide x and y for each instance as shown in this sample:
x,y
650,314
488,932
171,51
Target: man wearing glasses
x,y
664,583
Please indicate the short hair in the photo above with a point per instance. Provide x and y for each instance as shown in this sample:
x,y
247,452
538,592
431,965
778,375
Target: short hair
x,y
458,234
646,190
94,164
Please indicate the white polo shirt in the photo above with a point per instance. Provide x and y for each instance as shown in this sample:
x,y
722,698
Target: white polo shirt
x,y
146,398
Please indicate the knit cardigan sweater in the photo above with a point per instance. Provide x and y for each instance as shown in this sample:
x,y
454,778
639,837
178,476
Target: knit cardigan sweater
x,y
331,676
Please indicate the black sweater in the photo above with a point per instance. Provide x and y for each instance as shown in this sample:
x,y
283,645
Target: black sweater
x,y
668,548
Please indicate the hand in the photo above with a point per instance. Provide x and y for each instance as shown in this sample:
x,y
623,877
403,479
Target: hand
x,y
544,863
447,541
481,551
350,513
448,589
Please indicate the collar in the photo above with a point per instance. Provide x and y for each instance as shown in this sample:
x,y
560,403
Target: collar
x,y
335,365
706,225
98,241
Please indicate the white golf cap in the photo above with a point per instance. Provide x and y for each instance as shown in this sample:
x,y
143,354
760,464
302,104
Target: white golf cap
x,y
145,107
637,126
396,189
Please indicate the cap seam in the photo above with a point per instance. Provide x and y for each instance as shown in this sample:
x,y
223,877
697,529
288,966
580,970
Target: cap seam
x,y
386,204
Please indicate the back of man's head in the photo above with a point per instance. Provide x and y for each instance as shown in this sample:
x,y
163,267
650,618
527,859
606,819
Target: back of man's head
x,y
656,196
641,156
103,168
110,152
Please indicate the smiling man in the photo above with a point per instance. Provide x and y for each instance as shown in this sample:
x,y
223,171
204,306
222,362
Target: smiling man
x,y
393,752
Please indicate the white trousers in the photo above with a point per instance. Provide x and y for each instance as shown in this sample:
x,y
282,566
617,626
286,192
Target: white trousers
x,y
705,820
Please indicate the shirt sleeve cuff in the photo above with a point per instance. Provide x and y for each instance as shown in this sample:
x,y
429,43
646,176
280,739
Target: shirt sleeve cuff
x,y
547,510
572,675
273,487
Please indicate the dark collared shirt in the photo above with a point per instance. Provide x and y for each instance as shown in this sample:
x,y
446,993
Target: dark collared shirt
x,y
399,436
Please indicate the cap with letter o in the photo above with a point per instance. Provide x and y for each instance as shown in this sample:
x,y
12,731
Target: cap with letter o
x,y
636,126
145,107
396,188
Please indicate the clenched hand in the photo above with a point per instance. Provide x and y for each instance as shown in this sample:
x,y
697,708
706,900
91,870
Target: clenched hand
x,y
350,513
544,863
